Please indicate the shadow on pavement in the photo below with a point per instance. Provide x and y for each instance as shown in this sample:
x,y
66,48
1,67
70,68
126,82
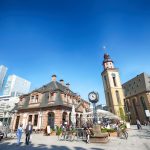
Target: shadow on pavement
x,y
14,146
143,134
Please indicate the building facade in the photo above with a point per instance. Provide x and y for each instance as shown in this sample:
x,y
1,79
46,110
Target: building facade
x,y
137,97
3,71
7,104
50,105
16,86
112,87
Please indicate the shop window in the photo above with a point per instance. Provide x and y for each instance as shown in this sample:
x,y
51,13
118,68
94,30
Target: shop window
x,y
35,120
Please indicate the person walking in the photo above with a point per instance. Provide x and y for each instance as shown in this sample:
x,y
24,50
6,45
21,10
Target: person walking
x,y
19,134
29,129
87,130
138,124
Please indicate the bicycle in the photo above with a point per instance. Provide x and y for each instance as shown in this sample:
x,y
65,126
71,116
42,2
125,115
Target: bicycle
x,y
123,133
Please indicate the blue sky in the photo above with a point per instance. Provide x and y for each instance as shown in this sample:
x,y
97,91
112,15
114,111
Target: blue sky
x,y
39,38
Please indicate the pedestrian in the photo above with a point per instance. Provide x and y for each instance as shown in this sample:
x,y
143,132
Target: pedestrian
x,y
19,134
138,124
88,132
29,129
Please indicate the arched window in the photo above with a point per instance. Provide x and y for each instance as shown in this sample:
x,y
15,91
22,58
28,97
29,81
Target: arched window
x,y
126,102
135,108
143,104
51,119
105,81
114,79
118,97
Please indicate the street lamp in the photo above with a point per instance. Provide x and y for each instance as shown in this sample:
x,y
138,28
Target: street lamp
x,y
129,117
4,113
40,114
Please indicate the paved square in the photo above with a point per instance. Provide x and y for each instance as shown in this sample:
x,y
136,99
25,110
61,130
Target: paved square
x,y
137,140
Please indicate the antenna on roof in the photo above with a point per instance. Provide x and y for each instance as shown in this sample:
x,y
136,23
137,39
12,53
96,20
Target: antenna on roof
x,y
104,48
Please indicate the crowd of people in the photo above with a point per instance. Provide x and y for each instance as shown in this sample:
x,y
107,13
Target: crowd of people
x,y
119,126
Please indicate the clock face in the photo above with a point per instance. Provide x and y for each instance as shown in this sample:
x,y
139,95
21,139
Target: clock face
x,y
93,97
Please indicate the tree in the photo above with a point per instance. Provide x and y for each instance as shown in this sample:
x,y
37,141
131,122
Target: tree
x,y
122,115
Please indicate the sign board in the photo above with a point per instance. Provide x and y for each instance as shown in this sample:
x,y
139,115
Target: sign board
x,y
147,112
128,125
48,130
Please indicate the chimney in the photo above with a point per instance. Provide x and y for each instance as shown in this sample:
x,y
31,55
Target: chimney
x,y
68,85
62,81
54,77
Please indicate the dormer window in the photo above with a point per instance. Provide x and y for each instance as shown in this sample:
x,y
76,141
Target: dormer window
x,y
21,101
34,99
52,96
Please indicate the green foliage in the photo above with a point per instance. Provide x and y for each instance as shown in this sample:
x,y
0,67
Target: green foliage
x,y
58,130
73,130
122,115
52,129
107,130
103,130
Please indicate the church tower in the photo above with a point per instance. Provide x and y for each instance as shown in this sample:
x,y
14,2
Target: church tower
x,y
112,86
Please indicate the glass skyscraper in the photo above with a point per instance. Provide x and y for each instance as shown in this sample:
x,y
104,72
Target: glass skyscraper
x,y
3,71
16,86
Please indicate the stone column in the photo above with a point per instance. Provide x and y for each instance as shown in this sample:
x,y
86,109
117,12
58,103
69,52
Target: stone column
x,y
33,119
67,118
58,117
44,119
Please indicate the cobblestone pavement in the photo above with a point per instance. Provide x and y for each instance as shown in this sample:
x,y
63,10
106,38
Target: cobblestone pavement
x,y
137,140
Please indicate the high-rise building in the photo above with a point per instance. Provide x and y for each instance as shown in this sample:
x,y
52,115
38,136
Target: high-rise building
x,y
112,87
16,86
3,71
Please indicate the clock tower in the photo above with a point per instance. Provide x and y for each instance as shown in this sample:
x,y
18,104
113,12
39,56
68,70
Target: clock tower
x,y
112,87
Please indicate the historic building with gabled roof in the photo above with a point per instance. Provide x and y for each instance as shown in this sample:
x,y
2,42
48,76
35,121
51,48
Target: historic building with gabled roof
x,y
51,105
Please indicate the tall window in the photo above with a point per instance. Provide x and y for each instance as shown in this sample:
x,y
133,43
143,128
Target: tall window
x,y
35,120
114,79
30,118
108,96
126,105
37,98
143,104
118,97
135,109
105,79
32,99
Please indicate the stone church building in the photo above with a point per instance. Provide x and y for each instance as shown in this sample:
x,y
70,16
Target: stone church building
x,y
49,105
131,99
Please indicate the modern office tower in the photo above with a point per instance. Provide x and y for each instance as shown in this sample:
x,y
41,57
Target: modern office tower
x,y
16,86
3,71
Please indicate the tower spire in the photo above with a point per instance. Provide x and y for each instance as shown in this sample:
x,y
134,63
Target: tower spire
x,y
107,62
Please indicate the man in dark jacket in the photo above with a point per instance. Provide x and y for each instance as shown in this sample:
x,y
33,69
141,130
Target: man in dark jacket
x,y
29,129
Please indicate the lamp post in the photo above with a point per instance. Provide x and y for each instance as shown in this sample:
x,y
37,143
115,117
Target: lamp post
x,y
40,114
4,113
94,98
129,117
